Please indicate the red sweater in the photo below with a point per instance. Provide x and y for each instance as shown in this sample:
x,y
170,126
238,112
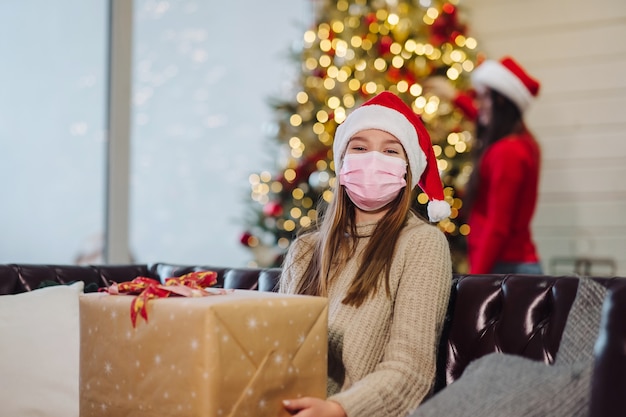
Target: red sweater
x,y
503,209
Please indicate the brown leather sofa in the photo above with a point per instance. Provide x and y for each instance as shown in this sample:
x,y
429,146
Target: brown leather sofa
x,y
516,314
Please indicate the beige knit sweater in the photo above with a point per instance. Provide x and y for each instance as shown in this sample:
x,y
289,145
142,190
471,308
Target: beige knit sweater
x,y
382,355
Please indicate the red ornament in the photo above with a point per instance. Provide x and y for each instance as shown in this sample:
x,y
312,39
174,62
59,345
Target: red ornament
x,y
319,73
394,74
385,45
370,18
273,209
409,78
244,239
448,8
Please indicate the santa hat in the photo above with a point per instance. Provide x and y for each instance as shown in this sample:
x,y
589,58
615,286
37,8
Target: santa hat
x,y
508,78
387,112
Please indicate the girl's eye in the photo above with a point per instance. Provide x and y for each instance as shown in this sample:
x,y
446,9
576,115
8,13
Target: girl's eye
x,y
358,148
392,151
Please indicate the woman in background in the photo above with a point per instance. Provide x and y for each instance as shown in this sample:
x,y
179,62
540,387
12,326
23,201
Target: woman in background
x,y
503,187
385,271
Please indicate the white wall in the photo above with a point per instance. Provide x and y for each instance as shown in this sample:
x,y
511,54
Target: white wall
x,y
577,49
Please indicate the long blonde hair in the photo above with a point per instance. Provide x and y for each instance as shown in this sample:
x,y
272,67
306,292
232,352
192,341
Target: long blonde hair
x,y
337,240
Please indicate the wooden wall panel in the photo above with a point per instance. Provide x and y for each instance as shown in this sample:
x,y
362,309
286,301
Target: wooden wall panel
x,y
582,144
550,46
581,76
590,178
514,17
580,110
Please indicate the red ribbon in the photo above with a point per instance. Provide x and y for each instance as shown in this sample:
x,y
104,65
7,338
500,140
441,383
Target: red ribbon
x,y
193,284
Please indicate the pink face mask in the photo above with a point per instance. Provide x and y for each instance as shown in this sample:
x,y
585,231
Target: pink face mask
x,y
372,179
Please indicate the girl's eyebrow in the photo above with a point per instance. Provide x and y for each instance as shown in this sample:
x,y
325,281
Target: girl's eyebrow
x,y
392,142
389,140
357,138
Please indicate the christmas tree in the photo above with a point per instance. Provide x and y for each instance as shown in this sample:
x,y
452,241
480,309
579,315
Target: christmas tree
x,y
354,50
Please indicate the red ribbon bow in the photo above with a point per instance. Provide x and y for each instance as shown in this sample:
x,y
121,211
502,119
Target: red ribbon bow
x,y
193,284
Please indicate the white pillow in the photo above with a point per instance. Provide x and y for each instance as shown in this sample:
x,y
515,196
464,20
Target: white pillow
x,y
39,352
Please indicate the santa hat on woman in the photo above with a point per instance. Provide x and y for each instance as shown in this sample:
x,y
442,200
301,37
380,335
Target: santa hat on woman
x,y
508,78
387,112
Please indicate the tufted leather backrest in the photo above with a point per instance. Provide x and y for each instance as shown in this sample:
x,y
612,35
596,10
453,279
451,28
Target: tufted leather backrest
x,y
18,278
262,279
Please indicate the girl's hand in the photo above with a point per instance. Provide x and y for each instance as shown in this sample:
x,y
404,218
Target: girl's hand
x,y
313,407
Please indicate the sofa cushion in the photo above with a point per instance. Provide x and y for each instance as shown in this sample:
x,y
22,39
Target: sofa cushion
x,y
583,323
507,385
39,352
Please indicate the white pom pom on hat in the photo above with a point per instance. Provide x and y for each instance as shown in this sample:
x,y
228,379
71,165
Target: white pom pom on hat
x,y
387,112
508,78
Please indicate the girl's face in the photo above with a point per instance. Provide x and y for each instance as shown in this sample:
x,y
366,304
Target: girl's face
x,y
372,201
485,105
376,140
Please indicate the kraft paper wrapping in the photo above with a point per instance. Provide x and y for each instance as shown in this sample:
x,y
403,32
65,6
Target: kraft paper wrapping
x,y
234,355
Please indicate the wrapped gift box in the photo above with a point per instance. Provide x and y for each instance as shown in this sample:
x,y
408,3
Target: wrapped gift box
x,y
236,354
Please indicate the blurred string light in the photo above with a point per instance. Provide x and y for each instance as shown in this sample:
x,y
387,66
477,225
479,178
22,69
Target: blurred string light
x,y
358,49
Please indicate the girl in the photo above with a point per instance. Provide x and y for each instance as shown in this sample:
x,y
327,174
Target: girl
x,y
503,187
385,271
